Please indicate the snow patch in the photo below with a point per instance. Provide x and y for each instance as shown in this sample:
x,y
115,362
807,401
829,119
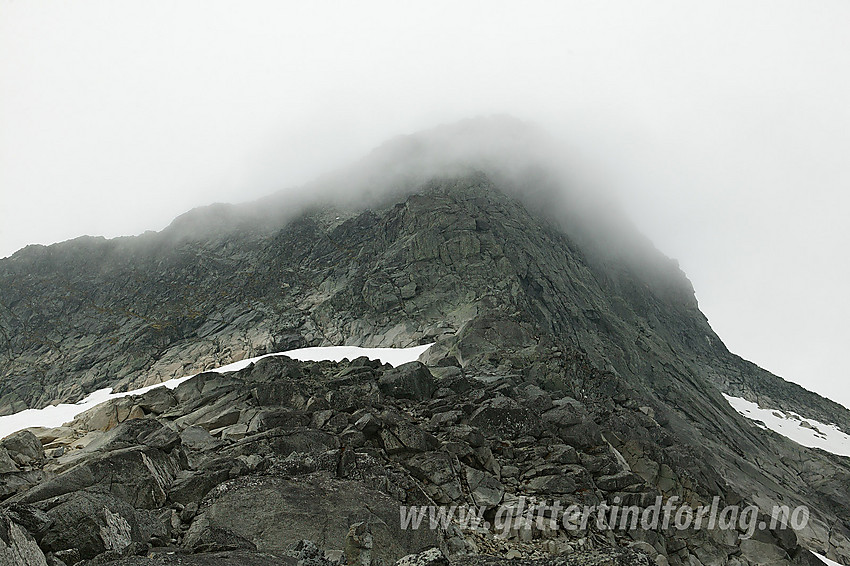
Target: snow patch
x,y
807,432
57,415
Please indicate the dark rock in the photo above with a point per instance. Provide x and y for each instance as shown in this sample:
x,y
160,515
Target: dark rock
x,y
278,394
586,434
12,483
562,416
271,369
154,525
200,385
407,438
619,481
504,417
408,381
140,476
17,546
193,486
197,438
205,537
139,432
7,464
34,520
554,484
90,523
318,508
285,419
433,467
306,552
157,401
24,448
486,491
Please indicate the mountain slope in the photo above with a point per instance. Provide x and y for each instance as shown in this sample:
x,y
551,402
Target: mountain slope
x,y
510,277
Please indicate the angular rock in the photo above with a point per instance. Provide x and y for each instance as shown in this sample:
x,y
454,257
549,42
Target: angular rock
x,y
91,523
140,476
316,508
407,438
485,489
204,537
138,432
17,546
553,484
157,401
24,448
7,463
619,481
408,381
504,417
193,486
106,416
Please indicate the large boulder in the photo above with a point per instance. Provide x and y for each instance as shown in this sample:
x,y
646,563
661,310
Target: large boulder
x,y
140,432
406,437
220,412
157,400
272,368
408,381
485,490
273,513
91,523
24,448
140,476
198,386
107,415
502,416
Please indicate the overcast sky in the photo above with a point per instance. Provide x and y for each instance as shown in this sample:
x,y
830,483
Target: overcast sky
x,y
723,126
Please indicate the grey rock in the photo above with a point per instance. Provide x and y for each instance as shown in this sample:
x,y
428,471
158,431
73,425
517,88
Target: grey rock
x,y
505,417
24,448
197,438
408,381
619,481
552,484
90,524
485,489
318,508
157,401
140,476
7,463
206,537
406,437
430,557
17,546
34,520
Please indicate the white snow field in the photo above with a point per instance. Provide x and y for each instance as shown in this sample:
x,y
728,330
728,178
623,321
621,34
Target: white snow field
x,y
57,415
807,432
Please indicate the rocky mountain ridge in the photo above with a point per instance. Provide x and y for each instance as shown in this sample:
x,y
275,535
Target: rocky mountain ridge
x,y
515,287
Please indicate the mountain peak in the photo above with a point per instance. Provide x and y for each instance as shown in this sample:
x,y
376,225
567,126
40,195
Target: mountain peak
x,y
526,291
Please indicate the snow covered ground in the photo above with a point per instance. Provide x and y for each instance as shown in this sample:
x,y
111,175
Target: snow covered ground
x,y
807,432
57,415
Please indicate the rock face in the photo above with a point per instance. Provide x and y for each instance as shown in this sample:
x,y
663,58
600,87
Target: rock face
x,y
570,360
